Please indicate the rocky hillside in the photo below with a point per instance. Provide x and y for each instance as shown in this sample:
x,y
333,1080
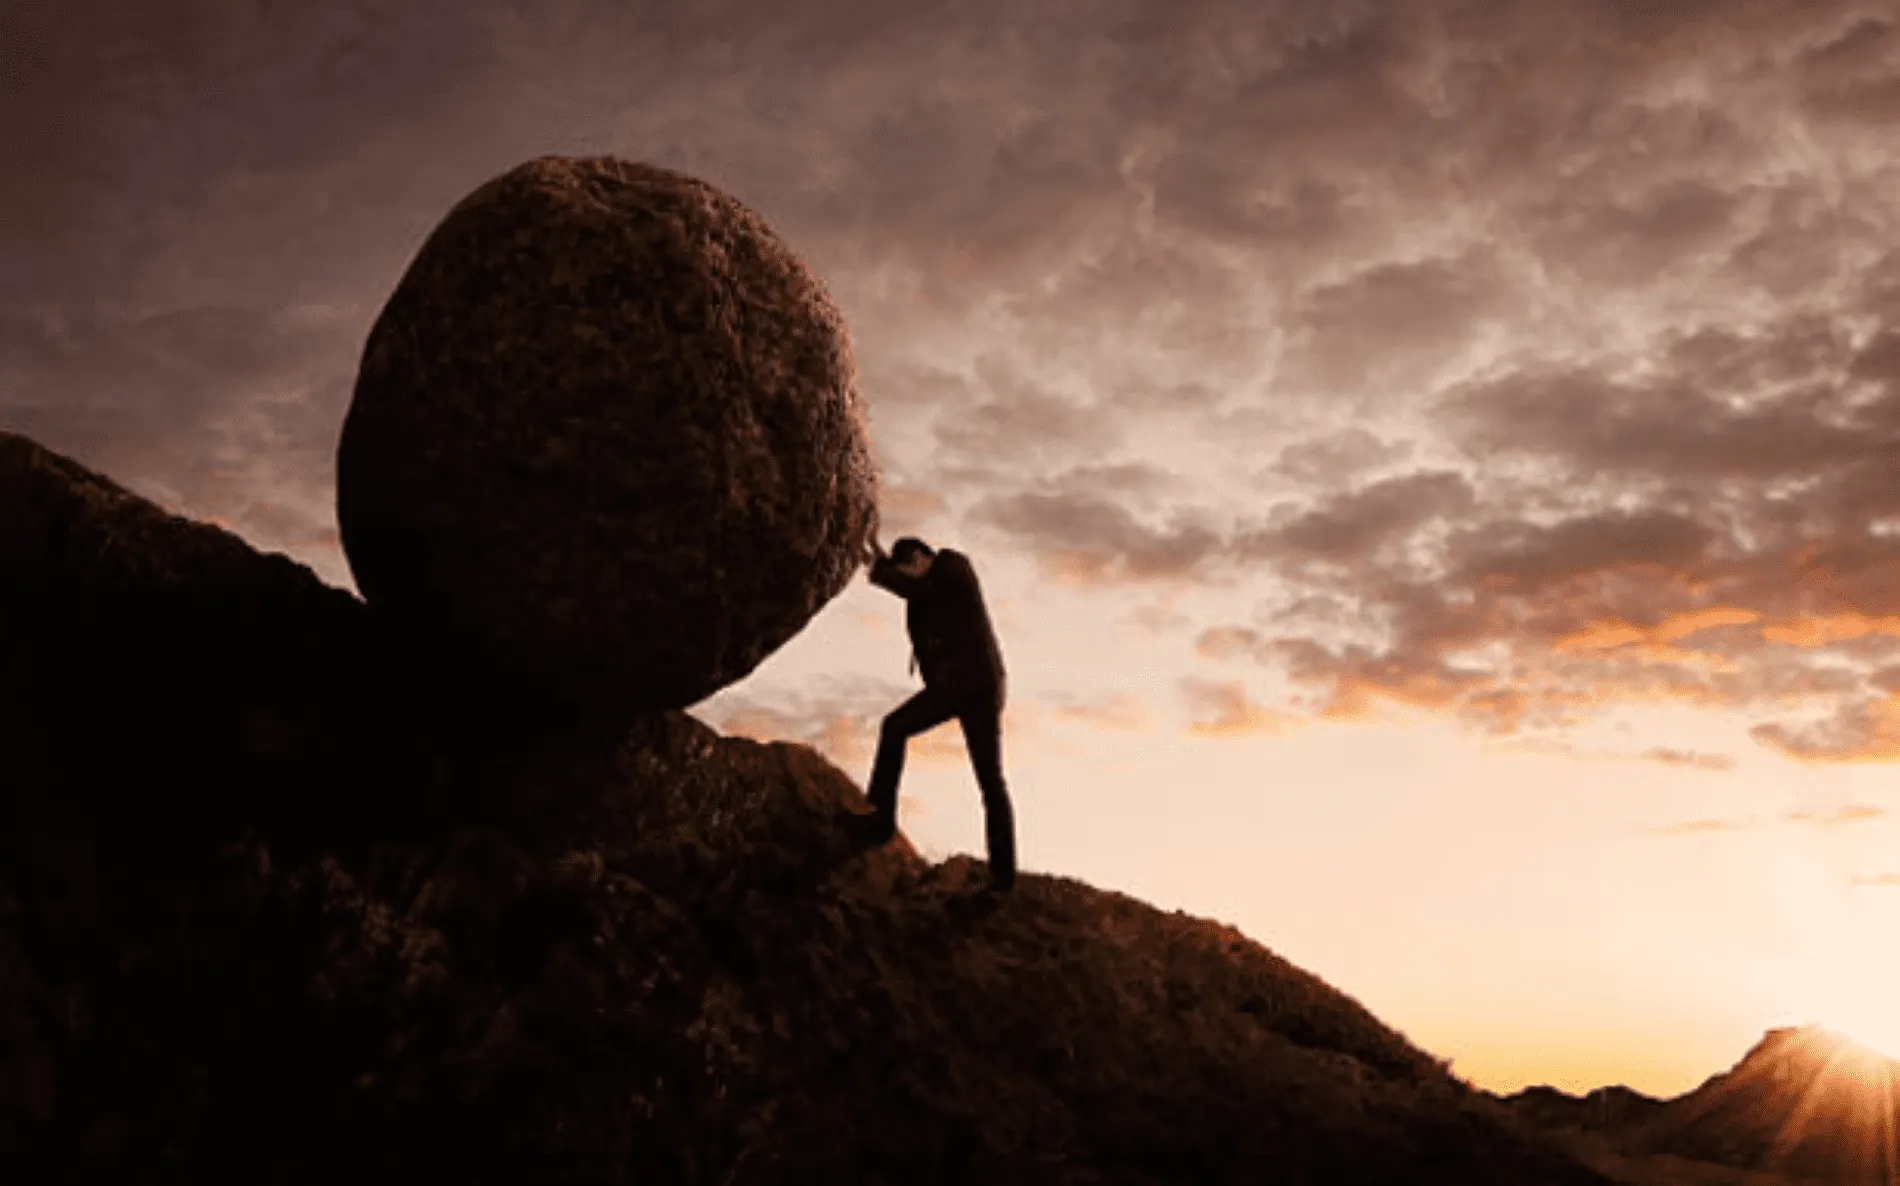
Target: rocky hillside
x,y
1804,1105
286,897
1607,1109
1803,1102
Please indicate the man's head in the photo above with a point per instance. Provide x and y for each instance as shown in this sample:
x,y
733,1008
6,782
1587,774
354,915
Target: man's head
x,y
912,555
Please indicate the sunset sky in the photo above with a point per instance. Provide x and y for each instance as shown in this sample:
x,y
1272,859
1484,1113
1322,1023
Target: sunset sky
x,y
1435,465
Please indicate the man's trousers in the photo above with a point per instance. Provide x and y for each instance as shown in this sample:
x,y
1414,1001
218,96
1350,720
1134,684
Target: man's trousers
x,y
981,717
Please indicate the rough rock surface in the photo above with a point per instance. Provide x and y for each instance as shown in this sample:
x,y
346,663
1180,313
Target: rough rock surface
x,y
260,925
606,434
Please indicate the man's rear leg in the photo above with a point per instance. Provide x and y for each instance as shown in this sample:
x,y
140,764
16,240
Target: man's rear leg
x,y
921,712
982,737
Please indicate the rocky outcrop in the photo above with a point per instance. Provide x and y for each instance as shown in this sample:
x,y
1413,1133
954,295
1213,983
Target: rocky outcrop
x,y
276,908
606,437
1804,1101
1803,1105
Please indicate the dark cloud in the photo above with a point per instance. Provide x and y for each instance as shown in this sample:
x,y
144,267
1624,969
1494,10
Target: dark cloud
x,y
1332,459
1712,519
1415,311
1553,328
1088,538
1861,727
1533,557
219,412
1358,526
1722,406
227,151
1854,75
1013,424
1631,238
104,382
1085,524
1134,479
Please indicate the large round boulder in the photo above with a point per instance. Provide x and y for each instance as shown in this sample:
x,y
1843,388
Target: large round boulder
x,y
606,438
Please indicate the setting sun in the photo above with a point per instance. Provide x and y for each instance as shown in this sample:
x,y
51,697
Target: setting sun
x,y
1873,1024
1856,993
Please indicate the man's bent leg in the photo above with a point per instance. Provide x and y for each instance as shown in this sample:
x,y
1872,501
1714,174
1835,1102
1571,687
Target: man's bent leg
x,y
925,710
982,736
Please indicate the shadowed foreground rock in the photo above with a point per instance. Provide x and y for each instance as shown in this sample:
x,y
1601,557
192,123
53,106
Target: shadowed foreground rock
x,y
260,922
606,435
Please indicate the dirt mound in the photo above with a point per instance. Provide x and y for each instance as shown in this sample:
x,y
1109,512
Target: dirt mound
x,y
260,923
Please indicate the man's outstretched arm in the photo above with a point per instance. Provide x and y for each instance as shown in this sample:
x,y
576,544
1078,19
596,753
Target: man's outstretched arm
x,y
885,573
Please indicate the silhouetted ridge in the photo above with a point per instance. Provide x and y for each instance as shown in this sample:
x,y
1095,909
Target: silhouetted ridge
x,y
278,905
1804,1102
1607,1109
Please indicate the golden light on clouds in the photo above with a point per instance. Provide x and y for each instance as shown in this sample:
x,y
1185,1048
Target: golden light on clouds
x,y
1226,710
1611,635
1817,631
1119,713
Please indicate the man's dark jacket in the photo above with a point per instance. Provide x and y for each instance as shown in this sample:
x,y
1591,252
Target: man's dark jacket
x,y
949,627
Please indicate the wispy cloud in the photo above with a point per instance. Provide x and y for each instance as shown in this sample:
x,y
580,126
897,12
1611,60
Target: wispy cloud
x,y
1852,813
1689,758
1226,710
1116,713
1562,746
1846,815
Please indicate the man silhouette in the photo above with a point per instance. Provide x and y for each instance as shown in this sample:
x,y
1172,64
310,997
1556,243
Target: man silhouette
x,y
962,665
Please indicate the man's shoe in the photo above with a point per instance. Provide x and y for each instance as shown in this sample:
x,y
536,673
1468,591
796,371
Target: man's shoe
x,y
1000,883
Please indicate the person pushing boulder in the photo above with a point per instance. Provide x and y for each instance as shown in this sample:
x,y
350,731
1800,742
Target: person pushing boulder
x,y
955,648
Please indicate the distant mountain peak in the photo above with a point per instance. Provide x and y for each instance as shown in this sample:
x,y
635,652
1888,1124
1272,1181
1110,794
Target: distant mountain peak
x,y
1803,1101
1812,1048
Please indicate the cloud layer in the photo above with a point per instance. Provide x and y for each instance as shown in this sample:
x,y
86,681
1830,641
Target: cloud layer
x,y
1504,361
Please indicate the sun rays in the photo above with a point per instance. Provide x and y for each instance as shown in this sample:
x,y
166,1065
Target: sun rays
x,y
1848,1094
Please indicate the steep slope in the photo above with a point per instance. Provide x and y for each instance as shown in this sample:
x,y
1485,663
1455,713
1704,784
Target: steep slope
x,y
1804,1104
1803,1101
283,899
